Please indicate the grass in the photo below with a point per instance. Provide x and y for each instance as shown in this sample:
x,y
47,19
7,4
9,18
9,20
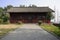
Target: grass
x,y
6,28
51,28
5,31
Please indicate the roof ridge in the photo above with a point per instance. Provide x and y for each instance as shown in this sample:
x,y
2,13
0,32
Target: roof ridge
x,y
30,7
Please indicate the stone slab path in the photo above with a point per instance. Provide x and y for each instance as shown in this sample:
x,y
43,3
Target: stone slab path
x,y
29,32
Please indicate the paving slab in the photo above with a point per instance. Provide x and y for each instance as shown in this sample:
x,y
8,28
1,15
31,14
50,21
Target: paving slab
x,y
29,32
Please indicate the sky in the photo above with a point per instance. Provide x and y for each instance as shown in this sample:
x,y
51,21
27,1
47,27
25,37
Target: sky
x,y
53,4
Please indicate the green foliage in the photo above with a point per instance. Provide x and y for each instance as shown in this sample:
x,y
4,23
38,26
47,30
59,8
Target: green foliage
x,y
51,28
32,6
1,9
8,7
19,22
1,21
22,5
49,16
4,17
28,6
39,22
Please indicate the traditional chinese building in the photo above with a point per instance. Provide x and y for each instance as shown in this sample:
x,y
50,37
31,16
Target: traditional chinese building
x,y
29,14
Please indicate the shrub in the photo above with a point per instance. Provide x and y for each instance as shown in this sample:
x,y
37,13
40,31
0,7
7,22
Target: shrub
x,y
39,22
19,22
1,21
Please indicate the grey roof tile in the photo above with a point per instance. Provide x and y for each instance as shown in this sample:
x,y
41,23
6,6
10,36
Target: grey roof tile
x,y
30,9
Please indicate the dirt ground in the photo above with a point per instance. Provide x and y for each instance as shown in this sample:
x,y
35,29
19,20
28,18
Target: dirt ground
x,y
6,26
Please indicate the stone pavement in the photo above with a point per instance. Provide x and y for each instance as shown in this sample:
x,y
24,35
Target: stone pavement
x,y
29,32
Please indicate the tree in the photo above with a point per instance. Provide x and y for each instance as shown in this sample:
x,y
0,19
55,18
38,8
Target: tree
x,y
1,9
32,6
8,7
1,12
49,16
22,5
5,16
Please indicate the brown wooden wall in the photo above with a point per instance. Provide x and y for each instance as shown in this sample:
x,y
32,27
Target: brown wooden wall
x,y
28,17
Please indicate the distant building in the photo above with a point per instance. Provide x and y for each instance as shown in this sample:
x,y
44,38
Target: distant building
x,y
29,14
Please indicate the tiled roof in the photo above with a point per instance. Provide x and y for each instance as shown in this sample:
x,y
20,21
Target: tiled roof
x,y
30,9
